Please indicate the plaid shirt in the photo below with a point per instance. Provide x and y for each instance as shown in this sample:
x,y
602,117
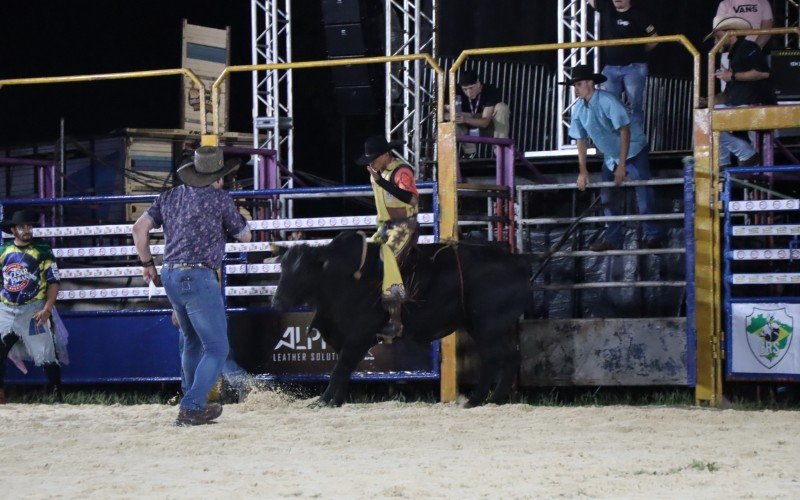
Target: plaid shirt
x,y
196,222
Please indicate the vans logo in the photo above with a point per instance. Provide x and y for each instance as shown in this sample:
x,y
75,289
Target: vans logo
x,y
743,9
623,22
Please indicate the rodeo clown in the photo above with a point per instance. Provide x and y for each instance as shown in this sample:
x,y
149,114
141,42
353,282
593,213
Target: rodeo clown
x,y
29,292
396,199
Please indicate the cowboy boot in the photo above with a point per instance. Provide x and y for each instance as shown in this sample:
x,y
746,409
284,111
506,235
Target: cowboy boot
x,y
393,304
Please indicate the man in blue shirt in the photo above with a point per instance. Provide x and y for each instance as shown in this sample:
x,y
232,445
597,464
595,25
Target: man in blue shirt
x,y
196,218
601,117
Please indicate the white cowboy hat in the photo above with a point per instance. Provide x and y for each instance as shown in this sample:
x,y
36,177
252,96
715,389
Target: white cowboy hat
x,y
727,23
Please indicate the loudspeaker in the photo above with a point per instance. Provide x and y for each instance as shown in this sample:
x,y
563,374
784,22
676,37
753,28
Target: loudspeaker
x,y
786,73
356,100
348,76
341,11
345,40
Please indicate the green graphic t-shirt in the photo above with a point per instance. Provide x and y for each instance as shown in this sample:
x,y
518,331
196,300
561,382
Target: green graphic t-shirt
x,y
26,272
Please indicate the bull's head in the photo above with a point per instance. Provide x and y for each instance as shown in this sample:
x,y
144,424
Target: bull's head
x,y
301,267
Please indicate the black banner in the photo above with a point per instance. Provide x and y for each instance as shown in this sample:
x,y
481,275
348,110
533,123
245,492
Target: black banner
x,y
282,344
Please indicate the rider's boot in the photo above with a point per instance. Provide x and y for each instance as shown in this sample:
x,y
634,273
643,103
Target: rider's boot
x,y
393,303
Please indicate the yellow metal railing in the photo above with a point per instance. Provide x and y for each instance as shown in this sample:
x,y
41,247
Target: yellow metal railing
x,y
680,39
325,64
119,76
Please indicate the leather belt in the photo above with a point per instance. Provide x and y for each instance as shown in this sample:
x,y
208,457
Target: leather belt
x,y
188,265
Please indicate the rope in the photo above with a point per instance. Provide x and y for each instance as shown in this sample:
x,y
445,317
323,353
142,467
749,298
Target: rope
x,y
454,246
571,229
357,274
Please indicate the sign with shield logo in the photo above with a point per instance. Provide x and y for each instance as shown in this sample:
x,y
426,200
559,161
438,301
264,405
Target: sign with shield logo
x,y
769,334
767,330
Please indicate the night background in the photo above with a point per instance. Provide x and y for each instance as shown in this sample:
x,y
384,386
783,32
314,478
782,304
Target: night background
x,y
81,37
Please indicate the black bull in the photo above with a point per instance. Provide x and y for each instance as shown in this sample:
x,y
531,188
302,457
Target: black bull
x,y
480,289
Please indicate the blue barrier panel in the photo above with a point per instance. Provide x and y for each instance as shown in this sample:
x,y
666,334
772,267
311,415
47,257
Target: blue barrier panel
x,y
688,234
760,326
114,346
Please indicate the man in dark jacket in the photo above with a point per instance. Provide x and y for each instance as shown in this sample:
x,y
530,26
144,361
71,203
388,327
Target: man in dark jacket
x,y
625,66
748,84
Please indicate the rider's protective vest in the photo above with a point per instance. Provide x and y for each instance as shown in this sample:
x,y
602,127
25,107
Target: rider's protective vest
x,y
385,199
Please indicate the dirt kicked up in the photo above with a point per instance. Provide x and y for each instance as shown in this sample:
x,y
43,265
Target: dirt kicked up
x,y
273,447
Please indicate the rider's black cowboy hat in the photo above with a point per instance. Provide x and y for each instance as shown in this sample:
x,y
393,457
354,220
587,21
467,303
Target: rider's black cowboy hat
x,y
207,166
584,72
374,147
20,218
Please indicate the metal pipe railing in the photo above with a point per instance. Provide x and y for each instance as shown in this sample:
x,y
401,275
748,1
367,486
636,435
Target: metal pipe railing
x,y
680,39
717,46
323,64
119,76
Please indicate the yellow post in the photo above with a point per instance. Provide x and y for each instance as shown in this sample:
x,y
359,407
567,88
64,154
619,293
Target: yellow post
x,y
707,283
448,223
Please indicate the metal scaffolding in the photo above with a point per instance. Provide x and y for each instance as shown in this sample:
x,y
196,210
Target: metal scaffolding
x,y
411,28
573,26
791,19
271,37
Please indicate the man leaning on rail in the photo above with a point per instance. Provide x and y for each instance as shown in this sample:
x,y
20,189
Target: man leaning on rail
x,y
396,200
600,116
196,218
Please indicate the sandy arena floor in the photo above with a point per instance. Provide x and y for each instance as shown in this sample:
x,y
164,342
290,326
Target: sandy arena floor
x,y
268,447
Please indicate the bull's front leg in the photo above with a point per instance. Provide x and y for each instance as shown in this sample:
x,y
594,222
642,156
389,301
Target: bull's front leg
x,y
336,392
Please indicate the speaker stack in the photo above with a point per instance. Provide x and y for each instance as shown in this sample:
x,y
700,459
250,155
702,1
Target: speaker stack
x,y
786,74
344,34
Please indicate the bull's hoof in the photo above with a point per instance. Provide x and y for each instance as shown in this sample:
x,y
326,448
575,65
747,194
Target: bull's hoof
x,y
473,404
319,403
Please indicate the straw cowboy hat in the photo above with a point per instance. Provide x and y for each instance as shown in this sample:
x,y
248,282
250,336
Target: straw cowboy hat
x,y
208,165
726,23
584,72
374,147
19,218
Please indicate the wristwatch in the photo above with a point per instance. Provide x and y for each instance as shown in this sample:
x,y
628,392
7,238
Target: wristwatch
x,y
733,76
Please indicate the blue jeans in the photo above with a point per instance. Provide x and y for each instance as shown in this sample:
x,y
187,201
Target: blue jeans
x,y
232,372
632,79
730,144
638,169
197,300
